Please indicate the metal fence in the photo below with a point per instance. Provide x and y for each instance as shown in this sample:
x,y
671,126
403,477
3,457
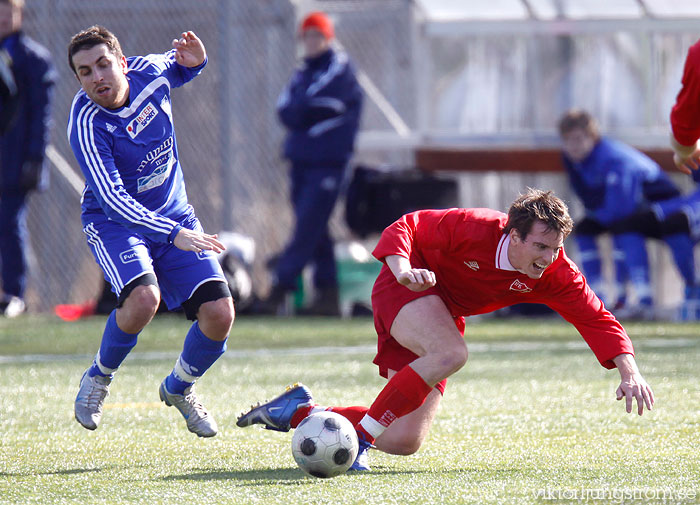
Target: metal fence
x,y
228,134
479,86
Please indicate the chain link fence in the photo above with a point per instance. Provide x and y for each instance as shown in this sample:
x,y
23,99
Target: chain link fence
x,y
228,135
421,86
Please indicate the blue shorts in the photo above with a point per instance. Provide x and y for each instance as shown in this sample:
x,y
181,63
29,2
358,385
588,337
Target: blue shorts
x,y
124,256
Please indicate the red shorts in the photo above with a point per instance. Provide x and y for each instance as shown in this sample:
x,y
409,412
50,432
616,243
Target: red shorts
x,y
388,297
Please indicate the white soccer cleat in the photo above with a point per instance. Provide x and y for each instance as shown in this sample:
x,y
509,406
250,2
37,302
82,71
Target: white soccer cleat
x,y
198,419
90,399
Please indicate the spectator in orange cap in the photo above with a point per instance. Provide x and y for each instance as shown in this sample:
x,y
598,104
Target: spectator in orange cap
x,y
320,108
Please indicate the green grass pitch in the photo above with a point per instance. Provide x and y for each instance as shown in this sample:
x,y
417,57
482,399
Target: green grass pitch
x,y
531,419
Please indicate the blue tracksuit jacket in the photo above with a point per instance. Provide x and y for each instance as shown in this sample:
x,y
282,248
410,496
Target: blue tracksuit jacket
x,y
320,107
28,133
615,180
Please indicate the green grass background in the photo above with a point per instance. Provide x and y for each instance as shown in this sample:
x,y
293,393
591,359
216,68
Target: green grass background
x,y
535,423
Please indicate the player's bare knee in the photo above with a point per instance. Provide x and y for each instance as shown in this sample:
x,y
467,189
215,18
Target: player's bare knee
x,y
143,302
453,358
404,445
463,354
409,446
217,315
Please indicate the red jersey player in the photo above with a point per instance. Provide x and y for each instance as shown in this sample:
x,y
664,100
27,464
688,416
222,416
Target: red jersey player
x,y
685,125
442,265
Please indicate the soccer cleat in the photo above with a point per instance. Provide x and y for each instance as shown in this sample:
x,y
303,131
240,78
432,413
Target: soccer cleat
x,y
361,463
277,414
198,419
91,397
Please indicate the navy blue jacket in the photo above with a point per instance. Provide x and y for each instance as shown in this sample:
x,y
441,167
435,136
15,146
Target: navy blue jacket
x,y
615,180
28,134
321,109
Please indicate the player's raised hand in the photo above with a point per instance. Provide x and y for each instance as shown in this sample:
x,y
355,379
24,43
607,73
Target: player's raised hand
x,y
417,279
191,240
189,50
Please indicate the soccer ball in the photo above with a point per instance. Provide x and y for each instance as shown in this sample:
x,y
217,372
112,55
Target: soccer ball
x,y
325,444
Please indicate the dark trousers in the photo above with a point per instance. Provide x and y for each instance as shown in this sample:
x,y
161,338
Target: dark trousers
x,y
13,241
314,194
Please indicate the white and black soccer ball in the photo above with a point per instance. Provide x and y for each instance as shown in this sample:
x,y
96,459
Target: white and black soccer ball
x,y
325,444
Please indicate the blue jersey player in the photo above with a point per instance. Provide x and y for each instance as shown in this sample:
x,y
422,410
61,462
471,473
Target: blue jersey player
x,y
615,181
142,232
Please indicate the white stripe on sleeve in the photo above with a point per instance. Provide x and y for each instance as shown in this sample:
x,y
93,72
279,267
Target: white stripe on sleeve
x,y
338,65
105,185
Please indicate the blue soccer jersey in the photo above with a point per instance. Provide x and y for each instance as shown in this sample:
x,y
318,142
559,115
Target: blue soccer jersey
x,y
134,202
129,155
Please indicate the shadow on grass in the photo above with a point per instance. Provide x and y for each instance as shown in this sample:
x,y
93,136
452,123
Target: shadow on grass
x,y
271,474
55,472
282,476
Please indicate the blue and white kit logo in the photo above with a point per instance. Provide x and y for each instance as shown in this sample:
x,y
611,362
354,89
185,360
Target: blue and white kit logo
x,y
144,118
155,178
128,256
158,155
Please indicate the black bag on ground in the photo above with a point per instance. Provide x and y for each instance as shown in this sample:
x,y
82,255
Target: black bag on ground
x,y
375,198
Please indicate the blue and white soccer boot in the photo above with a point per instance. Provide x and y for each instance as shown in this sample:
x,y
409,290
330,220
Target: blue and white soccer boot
x,y
199,421
277,414
90,399
361,463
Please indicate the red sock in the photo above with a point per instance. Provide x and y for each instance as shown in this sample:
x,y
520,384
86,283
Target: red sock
x,y
404,393
299,415
353,414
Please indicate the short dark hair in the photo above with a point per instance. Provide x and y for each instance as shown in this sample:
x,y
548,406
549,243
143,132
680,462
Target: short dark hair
x,y
578,119
91,37
538,205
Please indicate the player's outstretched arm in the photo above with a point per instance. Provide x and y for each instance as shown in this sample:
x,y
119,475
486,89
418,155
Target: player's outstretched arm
x,y
189,50
191,240
632,385
415,279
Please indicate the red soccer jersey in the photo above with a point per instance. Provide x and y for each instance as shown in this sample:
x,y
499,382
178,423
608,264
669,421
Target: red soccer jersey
x,y
685,114
467,250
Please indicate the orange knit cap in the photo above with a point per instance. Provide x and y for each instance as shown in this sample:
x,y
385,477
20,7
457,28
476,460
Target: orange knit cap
x,y
321,22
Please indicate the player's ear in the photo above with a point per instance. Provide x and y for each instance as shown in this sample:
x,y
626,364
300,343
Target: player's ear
x,y
123,64
514,236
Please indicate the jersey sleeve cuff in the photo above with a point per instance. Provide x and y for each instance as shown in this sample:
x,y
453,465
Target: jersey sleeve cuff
x,y
200,66
682,150
173,234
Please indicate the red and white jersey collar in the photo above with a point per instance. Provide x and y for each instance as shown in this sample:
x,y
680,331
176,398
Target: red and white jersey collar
x,y
502,261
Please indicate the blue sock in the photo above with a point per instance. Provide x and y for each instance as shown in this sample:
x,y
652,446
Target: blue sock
x,y
681,247
590,257
115,346
198,354
591,263
634,247
621,275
